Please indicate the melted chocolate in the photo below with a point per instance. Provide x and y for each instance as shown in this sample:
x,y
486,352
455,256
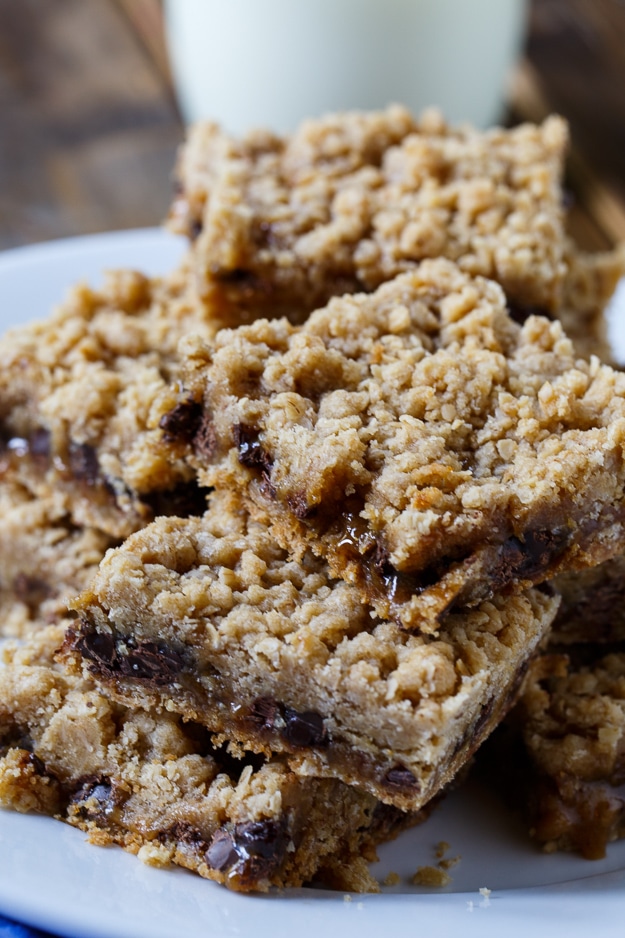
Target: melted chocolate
x,y
150,662
182,422
400,779
250,851
97,798
83,461
250,451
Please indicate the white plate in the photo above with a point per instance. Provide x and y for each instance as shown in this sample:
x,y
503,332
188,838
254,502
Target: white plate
x,y
50,876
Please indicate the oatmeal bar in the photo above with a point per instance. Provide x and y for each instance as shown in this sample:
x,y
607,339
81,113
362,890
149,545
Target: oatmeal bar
x,y
209,618
45,559
79,399
573,727
431,449
156,786
351,200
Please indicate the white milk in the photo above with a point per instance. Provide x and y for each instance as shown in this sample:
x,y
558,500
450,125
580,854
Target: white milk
x,y
248,63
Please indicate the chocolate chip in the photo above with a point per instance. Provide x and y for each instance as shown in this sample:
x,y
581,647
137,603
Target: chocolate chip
x,y
182,422
221,854
543,546
83,462
304,729
263,713
266,839
297,729
96,797
184,833
35,444
298,504
395,586
153,662
98,647
250,451
391,584
37,764
400,779
195,229
266,489
251,851
205,439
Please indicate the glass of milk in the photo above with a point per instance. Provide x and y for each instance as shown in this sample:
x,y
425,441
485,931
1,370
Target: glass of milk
x,y
251,63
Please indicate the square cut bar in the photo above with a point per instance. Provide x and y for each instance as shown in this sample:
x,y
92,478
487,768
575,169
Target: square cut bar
x,y
570,780
351,200
431,449
156,786
209,618
79,401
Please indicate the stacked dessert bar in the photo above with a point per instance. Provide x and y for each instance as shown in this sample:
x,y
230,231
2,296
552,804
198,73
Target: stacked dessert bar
x,y
313,489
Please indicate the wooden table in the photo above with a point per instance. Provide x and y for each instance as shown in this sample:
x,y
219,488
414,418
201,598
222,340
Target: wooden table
x,y
89,124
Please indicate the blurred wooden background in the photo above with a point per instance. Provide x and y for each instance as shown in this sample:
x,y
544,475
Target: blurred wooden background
x,y
89,124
